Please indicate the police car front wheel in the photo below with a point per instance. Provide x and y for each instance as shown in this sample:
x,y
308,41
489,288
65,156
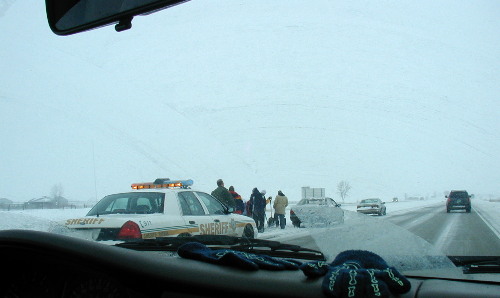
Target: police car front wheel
x,y
248,232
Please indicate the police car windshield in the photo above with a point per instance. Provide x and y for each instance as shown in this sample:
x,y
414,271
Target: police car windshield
x,y
130,203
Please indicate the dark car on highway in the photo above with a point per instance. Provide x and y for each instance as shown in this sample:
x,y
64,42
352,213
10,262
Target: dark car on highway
x,y
458,199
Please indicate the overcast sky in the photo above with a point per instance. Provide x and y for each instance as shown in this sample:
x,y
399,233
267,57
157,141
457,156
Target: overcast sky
x,y
396,98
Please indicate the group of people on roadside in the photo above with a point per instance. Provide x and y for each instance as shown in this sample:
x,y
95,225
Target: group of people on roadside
x,y
255,207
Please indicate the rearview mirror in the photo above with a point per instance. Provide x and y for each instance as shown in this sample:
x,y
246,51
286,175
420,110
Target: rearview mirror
x,y
72,16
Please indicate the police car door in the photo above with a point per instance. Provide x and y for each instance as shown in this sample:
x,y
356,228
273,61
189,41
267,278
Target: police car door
x,y
194,215
223,223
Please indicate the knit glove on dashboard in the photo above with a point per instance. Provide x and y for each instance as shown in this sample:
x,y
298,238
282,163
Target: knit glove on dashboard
x,y
358,273
239,259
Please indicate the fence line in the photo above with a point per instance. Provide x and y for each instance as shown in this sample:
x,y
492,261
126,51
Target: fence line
x,y
26,206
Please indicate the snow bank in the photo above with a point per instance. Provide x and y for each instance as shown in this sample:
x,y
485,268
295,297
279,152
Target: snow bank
x,y
37,219
488,211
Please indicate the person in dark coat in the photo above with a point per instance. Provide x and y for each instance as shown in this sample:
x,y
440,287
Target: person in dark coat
x,y
249,208
238,201
258,209
223,195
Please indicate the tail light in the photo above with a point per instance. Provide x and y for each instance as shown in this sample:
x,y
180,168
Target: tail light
x,y
291,212
129,230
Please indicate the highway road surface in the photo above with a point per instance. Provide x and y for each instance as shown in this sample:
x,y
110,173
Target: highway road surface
x,y
454,234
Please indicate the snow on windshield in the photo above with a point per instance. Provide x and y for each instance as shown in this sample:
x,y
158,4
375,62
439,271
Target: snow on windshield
x,y
335,230
397,246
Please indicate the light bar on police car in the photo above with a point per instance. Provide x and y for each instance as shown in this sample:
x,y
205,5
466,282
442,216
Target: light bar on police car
x,y
163,183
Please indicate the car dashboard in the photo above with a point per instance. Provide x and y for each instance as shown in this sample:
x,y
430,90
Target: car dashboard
x,y
39,264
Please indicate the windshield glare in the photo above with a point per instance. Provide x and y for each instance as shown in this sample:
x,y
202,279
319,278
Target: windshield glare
x,y
394,104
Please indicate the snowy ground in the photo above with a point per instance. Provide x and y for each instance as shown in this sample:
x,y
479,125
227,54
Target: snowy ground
x,y
392,208
45,219
489,213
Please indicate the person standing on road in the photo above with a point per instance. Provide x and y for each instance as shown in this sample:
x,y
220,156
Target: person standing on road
x,y
280,204
249,208
223,195
238,201
259,209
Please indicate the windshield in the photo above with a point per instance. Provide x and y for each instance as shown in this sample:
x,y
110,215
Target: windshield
x,y
460,194
370,201
315,202
349,100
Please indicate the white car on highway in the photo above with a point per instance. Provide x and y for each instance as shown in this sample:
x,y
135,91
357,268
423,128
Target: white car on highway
x,y
372,206
164,208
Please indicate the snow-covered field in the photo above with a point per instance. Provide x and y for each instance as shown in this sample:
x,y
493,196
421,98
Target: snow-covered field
x,y
46,219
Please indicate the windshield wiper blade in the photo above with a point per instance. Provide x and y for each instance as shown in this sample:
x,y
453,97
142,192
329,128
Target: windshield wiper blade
x,y
278,249
482,268
481,264
257,246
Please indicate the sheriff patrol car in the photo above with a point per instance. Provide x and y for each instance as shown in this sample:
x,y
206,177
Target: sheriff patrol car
x,y
163,208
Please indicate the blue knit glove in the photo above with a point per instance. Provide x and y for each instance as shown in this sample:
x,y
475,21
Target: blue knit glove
x,y
358,273
228,257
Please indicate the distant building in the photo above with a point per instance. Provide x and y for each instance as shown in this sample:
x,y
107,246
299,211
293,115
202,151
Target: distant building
x,y
47,203
4,201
